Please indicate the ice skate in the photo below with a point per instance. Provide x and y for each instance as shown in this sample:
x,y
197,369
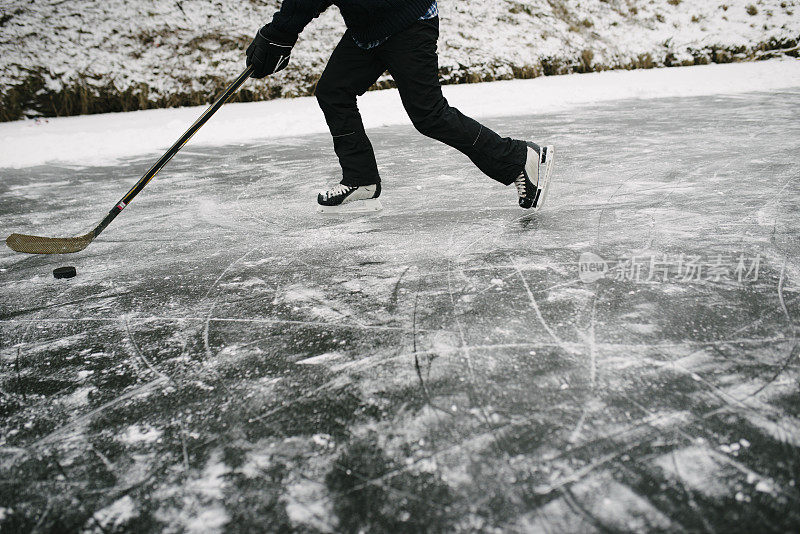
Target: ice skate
x,y
344,199
534,181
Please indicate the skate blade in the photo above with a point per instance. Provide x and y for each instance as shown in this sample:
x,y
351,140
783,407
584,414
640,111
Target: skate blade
x,y
370,205
545,180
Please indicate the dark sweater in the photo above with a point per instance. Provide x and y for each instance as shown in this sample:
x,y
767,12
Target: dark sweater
x,y
368,20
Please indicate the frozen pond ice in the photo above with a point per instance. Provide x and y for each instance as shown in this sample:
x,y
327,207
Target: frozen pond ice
x,y
625,360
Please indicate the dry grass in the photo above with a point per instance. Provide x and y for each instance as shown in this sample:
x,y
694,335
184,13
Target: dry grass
x,y
82,99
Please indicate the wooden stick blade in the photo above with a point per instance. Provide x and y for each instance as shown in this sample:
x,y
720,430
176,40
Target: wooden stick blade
x,y
32,244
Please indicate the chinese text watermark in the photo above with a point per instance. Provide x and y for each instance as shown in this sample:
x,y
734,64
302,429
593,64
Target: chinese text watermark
x,y
680,268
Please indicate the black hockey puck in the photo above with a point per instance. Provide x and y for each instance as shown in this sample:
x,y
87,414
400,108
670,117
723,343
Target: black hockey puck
x,y
65,272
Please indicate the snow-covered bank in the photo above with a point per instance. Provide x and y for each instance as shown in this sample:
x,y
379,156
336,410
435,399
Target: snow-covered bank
x,y
97,139
69,57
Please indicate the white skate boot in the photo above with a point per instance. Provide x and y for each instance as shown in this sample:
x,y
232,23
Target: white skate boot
x,y
350,199
534,181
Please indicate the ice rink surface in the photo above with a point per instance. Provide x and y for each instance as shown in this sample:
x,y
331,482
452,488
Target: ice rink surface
x,y
625,360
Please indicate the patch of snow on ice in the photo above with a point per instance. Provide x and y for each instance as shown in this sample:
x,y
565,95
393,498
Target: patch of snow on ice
x,y
140,434
697,468
115,515
213,519
78,398
209,492
306,505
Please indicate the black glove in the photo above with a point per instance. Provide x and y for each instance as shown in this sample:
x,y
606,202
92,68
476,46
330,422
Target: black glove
x,y
269,52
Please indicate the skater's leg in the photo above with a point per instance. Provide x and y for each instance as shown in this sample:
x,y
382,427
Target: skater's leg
x,y
413,63
350,72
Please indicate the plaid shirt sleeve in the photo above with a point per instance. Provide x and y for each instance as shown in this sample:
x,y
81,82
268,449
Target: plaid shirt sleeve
x,y
432,12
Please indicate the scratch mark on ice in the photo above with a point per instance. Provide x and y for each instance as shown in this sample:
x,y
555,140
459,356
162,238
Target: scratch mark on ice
x,y
592,342
539,315
86,418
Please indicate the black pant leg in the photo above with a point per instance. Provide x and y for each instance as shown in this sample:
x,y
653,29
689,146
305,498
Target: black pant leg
x,y
349,73
412,60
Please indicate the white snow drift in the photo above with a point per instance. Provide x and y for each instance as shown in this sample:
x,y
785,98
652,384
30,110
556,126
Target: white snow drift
x,y
97,139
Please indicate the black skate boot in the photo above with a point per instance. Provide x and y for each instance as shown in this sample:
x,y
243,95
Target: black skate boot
x,y
534,180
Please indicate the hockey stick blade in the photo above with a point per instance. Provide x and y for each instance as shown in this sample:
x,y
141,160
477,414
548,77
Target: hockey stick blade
x,y
32,244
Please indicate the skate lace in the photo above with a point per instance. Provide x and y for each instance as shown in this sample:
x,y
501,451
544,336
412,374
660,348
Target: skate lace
x,y
522,191
338,190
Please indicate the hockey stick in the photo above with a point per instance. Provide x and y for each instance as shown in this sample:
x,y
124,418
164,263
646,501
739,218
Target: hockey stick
x,y
66,245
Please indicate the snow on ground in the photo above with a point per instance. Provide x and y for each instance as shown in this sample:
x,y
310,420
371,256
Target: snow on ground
x,y
103,139
84,53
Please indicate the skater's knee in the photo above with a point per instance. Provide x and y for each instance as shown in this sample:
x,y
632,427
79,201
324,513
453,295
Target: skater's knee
x,y
323,89
333,92
430,122
430,125
427,124
328,90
